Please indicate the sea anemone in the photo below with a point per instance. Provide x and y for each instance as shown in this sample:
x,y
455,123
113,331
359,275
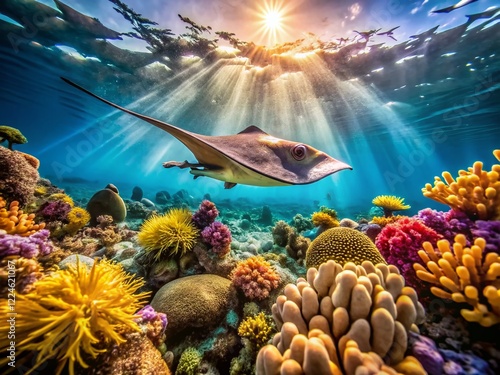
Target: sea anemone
x,y
390,203
172,233
324,221
77,218
69,312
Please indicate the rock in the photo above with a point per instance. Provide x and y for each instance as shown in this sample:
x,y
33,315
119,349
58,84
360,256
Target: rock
x,y
147,203
107,202
162,197
137,194
162,273
245,224
266,217
198,302
72,260
123,250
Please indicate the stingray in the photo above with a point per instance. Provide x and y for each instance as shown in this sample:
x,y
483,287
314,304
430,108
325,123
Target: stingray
x,y
251,157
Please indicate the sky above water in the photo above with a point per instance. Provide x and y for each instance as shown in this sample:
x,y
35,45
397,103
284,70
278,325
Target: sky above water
x,y
279,21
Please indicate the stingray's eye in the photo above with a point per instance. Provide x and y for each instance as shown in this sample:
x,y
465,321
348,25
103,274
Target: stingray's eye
x,y
299,151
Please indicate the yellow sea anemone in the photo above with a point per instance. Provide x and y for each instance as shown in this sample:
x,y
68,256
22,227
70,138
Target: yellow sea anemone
x,y
78,217
324,220
171,233
390,203
69,312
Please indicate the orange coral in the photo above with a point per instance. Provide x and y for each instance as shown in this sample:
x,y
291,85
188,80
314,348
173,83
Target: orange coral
x,y
324,220
14,221
383,221
255,277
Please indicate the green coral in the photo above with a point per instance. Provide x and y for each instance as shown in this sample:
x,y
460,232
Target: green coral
x,y
11,135
189,362
329,211
342,245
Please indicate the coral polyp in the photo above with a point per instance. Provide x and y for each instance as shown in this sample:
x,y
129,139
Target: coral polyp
x,y
170,234
70,312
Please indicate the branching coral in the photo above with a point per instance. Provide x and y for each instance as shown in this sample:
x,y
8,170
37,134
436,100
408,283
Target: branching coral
x,y
399,243
37,244
218,236
169,234
14,221
464,275
324,221
189,362
205,215
343,318
69,312
258,329
475,192
255,277
390,203
342,245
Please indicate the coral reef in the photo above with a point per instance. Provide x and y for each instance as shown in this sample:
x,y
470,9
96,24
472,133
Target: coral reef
x,y
342,245
475,192
54,210
490,231
390,203
68,310
12,136
301,224
37,244
383,220
255,277
77,218
189,362
15,221
463,275
258,329
343,318
107,202
167,235
218,236
18,178
399,244
26,272
205,215
286,236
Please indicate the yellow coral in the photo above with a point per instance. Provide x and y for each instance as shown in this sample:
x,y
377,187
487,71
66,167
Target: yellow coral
x,y
14,221
342,245
324,220
69,312
383,221
390,203
462,274
475,192
259,329
171,233
77,218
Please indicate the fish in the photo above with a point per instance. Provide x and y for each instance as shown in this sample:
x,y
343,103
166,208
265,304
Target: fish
x,y
250,157
460,4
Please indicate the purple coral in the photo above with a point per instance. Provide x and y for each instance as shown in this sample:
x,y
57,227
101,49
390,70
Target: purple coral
x,y
206,214
218,236
448,224
28,247
490,231
54,211
148,314
425,350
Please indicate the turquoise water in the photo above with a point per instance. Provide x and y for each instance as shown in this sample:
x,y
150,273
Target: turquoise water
x,y
398,114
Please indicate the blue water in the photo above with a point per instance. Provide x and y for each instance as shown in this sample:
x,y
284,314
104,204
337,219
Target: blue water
x,y
433,107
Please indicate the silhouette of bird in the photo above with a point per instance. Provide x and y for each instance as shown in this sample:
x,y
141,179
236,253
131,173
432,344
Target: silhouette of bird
x,y
389,33
460,4
367,34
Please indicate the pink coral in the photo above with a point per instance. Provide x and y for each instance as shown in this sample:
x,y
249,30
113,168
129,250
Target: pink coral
x,y
218,236
206,214
399,244
255,277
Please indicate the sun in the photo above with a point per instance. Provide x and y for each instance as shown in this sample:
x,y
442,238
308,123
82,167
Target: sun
x,y
274,20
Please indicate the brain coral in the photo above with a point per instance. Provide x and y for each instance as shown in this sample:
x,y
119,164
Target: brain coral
x,y
18,178
343,318
342,245
399,243
194,302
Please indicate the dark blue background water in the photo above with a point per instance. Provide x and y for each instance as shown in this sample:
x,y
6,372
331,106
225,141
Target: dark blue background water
x,y
398,127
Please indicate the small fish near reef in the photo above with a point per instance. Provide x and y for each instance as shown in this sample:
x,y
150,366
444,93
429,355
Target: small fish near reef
x,y
251,157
